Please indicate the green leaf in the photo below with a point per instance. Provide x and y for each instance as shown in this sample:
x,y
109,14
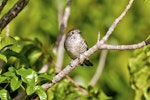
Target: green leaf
x,y
2,78
15,83
7,41
4,95
34,56
28,76
11,69
41,93
20,56
10,74
30,89
38,90
3,57
140,73
45,76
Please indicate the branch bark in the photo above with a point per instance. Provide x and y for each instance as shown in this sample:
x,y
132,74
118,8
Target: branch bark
x,y
12,13
62,26
99,68
59,45
86,54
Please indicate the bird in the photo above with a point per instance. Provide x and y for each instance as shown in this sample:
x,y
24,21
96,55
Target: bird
x,y
76,45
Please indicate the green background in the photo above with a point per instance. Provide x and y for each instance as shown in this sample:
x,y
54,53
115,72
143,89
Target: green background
x,y
40,20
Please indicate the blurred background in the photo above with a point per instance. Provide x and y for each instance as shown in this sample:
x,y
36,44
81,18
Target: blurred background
x,y
40,20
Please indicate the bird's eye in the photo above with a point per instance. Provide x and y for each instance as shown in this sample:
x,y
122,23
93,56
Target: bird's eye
x,y
71,32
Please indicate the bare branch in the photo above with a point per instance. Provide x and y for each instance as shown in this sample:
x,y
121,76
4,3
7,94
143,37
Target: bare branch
x,y
60,54
104,53
12,13
112,27
123,47
99,68
98,37
44,68
62,26
79,88
3,5
86,54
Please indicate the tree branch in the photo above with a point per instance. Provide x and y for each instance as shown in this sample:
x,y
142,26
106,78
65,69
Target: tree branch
x,y
86,54
123,47
62,26
99,68
60,54
59,46
12,13
117,20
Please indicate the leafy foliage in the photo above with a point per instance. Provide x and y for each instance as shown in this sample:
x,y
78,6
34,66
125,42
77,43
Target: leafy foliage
x,y
24,79
66,90
139,68
34,31
16,73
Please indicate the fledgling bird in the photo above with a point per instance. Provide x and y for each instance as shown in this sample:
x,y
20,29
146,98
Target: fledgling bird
x,y
76,45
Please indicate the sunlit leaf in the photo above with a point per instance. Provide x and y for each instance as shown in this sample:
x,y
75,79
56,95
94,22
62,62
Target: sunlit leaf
x,y
15,83
45,76
3,57
28,76
7,41
34,56
11,69
9,74
139,68
2,78
38,90
41,93
4,95
30,89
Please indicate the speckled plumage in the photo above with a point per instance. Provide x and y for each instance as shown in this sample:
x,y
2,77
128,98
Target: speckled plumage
x,y
76,45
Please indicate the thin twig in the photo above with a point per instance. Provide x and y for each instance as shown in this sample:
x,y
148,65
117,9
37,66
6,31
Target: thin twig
x,y
98,37
60,47
3,5
12,13
86,54
99,68
117,20
44,68
96,47
75,84
122,47
62,26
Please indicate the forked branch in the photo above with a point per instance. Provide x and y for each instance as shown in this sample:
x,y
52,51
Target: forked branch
x,y
98,46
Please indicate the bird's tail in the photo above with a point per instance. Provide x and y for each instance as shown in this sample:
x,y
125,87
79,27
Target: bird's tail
x,y
87,62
